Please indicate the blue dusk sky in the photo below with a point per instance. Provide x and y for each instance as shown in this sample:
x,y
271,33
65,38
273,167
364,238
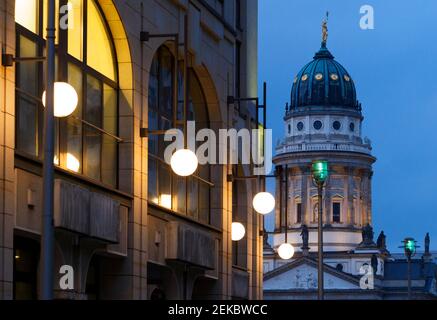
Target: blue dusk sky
x,y
394,68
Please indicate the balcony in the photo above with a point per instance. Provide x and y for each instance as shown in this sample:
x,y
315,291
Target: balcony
x,y
190,245
311,147
77,210
89,213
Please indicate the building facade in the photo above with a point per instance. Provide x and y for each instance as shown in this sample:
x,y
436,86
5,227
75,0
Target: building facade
x,y
127,225
323,121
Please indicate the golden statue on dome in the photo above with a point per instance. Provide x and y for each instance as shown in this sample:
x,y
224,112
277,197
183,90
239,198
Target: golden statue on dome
x,y
325,30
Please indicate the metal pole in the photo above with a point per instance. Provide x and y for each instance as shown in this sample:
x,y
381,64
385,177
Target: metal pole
x,y
286,203
409,278
186,79
264,130
281,215
47,235
176,82
320,243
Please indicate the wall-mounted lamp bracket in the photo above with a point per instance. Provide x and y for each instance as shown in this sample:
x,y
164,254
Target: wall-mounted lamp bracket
x,y
145,132
232,178
233,100
146,36
8,60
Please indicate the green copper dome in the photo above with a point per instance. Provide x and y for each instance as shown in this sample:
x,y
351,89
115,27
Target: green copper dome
x,y
324,82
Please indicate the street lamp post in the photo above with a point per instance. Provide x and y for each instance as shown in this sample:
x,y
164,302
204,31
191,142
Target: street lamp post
x,y
320,173
285,250
47,234
409,250
60,100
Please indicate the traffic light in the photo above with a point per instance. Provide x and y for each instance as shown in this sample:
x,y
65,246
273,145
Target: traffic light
x,y
320,171
409,247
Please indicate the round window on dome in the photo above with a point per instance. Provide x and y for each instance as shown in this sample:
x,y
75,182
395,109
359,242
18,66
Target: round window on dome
x,y
318,125
300,126
295,80
352,127
305,77
318,76
346,77
336,125
334,76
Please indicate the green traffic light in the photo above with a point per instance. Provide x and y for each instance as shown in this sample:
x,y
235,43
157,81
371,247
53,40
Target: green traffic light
x,y
410,245
320,170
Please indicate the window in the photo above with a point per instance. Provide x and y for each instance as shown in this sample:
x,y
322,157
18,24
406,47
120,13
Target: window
x,y
336,125
239,208
26,14
86,60
26,260
318,125
289,129
300,126
336,212
299,212
352,127
188,196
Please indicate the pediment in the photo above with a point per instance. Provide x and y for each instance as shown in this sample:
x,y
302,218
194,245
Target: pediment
x,y
302,275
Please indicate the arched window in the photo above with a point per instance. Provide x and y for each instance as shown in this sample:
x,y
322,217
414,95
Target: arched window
x,y
188,196
337,201
315,211
299,213
86,60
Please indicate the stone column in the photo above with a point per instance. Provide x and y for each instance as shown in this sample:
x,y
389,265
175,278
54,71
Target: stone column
x,y
277,198
291,219
327,195
365,184
369,196
305,198
350,196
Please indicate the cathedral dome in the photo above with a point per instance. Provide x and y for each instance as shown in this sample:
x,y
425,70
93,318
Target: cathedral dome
x,y
323,82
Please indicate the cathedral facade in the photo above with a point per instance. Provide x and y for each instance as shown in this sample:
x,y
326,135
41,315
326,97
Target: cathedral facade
x,y
323,121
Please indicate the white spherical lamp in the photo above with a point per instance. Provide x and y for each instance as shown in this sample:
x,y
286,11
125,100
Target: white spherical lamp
x,y
66,100
264,203
238,231
286,251
184,162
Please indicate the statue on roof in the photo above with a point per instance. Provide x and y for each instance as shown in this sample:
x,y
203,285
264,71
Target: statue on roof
x,y
325,30
381,242
427,243
367,234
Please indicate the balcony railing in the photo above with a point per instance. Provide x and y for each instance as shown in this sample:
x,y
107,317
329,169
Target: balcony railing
x,y
307,147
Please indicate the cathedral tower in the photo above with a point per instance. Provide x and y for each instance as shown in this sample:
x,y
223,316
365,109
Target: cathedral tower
x,y
323,121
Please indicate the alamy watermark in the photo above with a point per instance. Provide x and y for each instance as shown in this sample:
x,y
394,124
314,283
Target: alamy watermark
x,y
66,16
66,281
231,147
367,21
367,281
